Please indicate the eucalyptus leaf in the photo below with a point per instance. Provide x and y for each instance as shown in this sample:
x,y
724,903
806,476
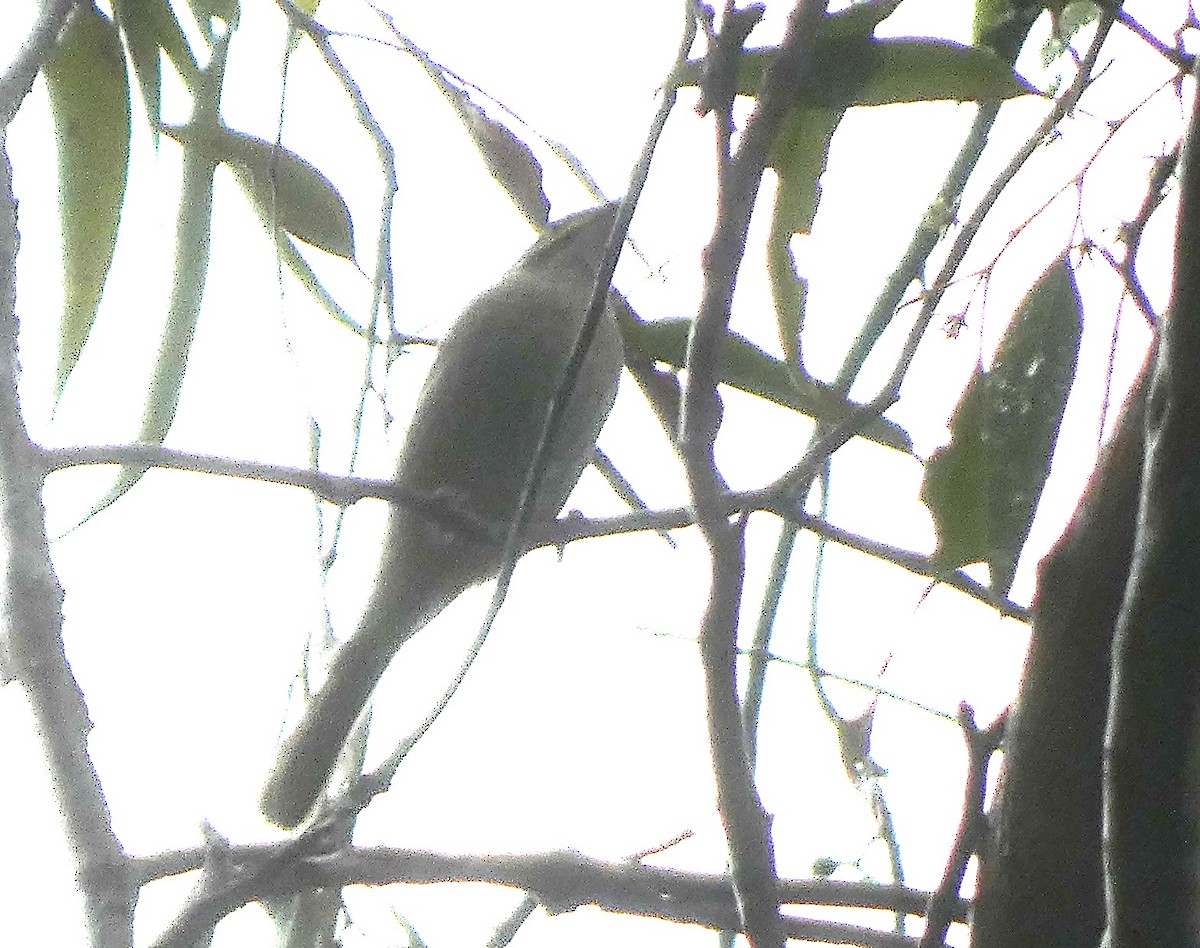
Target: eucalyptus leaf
x,y
285,189
746,367
859,70
509,161
89,103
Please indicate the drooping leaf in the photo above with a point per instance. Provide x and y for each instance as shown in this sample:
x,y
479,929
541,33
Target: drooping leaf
x,y
747,367
285,189
303,200
149,26
136,19
89,102
509,161
507,158
659,384
798,155
193,242
307,277
982,489
192,246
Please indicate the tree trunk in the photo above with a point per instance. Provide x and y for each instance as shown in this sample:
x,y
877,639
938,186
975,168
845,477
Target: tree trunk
x,y
1041,883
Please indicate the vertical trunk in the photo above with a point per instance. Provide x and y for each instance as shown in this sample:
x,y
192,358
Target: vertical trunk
x,y
1042,882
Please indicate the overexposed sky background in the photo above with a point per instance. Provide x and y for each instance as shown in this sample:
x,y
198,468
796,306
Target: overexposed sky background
x,y
189,603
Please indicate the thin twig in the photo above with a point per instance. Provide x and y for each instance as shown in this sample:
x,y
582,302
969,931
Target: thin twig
x,y
347,490
972,828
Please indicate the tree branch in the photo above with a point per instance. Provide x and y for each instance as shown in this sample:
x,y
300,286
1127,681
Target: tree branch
x,y
560,881
747,825
32,631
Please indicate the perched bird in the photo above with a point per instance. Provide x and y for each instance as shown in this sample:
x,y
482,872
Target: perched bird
x,y
470,444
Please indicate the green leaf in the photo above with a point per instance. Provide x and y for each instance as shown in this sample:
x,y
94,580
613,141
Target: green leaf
x,y
193,242
192,246
982,489
1069,20
285,189
989,16
857,20
307,277
148,26
136,20
228,11
89,102
747,367
858,70
907,70
855,23
799,155
508,160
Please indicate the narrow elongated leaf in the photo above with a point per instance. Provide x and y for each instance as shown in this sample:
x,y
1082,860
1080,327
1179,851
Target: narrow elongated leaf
x,y
285,189
798,155
854,24
982,489
149,26
89,102
859,70
192,246
509,161
747,367
136,18
193,239
912,70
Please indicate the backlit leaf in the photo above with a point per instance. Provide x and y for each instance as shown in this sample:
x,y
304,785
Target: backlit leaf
x,y
982,489
89,102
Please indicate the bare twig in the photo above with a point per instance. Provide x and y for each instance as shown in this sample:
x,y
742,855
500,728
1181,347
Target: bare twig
x,y
382,283
972,828
347,490
1176,57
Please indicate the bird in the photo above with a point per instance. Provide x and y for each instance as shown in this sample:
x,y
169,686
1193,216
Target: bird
x,y
476,427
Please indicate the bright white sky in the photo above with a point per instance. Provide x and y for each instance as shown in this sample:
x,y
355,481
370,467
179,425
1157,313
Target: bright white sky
x,y
582,726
